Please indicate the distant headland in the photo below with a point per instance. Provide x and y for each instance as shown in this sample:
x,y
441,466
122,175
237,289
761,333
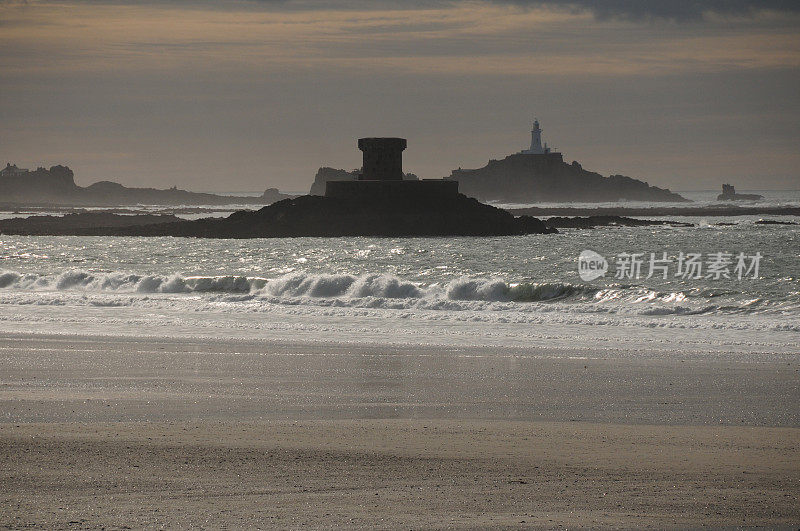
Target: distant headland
x,y
56,186
539,174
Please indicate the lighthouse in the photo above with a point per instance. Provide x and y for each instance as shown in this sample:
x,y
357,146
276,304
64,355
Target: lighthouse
x,y
536,141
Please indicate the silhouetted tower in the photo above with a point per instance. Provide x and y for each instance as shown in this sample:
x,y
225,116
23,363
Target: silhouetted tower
x,y
381,178
383,159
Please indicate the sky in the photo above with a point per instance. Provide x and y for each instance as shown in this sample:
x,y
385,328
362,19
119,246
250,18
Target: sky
x,y
242,95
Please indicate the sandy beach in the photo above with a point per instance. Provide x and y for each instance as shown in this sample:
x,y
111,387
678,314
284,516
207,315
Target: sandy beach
x,y
116,432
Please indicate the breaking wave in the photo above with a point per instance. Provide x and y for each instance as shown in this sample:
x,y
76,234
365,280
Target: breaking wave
x,y
391,292
76,279
296,285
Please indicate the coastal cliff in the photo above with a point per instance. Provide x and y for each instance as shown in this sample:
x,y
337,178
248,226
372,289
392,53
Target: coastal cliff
x,y
56,186
526,178
45,185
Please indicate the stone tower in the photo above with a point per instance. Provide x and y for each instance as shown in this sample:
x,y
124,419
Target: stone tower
x,y
383,159
381,178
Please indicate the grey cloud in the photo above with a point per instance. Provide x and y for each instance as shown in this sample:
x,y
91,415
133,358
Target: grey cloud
x,y
679,10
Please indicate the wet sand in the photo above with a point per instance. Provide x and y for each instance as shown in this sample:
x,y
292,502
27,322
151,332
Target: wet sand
x,y
139,432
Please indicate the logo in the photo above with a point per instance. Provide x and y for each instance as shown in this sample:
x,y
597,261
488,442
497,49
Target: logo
x,y
591,265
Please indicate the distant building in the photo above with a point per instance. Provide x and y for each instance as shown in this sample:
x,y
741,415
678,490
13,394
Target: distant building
x,y
11,170
537,148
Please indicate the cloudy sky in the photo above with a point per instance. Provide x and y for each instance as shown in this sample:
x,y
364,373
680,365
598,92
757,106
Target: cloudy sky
x,y
228,95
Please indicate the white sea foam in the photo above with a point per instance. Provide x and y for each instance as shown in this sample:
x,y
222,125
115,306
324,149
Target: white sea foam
x,y
293,285
388,291
472,291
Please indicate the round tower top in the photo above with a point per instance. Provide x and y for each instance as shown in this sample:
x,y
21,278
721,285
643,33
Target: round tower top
x,y
382,143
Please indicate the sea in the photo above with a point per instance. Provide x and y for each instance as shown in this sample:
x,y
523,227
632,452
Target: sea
x,y
727,286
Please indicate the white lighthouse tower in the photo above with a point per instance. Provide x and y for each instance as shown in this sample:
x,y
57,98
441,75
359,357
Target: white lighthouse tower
x,y
536,141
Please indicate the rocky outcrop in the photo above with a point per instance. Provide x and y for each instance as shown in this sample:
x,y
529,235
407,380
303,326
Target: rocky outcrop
x,y
320,216
111,193
591,222
726,210
729,194
775,222
57,183
273,195
523,178
326,174
82,223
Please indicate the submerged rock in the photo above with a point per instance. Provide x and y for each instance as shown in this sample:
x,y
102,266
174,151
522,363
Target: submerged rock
x,y
774,222
78,223
609,221
723,210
